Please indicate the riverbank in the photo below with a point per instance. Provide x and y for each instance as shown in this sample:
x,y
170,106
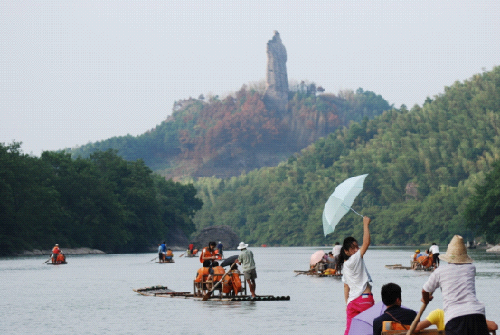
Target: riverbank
x,y
66,251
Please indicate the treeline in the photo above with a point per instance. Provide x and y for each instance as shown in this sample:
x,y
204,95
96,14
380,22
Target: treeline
x,y
102,202
211,132
423,165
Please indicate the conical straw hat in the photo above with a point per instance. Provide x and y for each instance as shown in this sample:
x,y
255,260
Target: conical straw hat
x,y
457,252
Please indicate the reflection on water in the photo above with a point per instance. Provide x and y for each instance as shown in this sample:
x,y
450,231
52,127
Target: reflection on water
x,y
94,294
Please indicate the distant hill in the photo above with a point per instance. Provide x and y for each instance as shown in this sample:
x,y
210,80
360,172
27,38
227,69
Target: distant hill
x,y
230,136
422,163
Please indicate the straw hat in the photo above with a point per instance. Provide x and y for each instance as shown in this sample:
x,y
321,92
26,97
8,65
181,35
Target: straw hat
x,y
457,252
242,246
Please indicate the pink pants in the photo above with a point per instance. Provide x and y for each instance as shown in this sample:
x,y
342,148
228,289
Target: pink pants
x,y
357,306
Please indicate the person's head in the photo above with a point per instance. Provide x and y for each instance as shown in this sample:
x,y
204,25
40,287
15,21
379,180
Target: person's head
x,y
211,245
169,249
206,263
350,246
242,246
433,243
456,252
417,251
391,294
57,245
337,243
163,242
330,253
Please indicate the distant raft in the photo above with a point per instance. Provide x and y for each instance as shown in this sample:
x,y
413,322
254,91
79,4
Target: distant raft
x,y
317,273
165,292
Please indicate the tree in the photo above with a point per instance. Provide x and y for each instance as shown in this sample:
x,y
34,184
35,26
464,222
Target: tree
x,y
483,210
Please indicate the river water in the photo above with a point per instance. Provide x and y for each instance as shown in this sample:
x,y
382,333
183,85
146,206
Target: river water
x,y
92,294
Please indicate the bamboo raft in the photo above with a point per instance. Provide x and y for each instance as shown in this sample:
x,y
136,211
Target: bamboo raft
x,y
165,292
49,263
315,273
419,267
172,261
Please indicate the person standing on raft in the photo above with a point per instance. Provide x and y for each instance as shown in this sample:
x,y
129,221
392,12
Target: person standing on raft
x,y
248,266
55,252
357,281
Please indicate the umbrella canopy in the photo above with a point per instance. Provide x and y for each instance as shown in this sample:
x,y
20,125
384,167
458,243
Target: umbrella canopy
x,y
317,256
229,261
362,324
340,202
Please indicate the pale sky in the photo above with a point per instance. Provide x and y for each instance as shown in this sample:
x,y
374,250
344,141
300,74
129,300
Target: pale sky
x,y
74,72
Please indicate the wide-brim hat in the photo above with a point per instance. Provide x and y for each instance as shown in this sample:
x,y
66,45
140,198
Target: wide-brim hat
x,y
457,252
242,246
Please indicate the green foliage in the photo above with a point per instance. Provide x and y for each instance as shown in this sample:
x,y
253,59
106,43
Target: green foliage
x,y
483,210
101,202
421,164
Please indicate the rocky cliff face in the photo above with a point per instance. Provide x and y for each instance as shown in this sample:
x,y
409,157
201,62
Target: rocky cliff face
x,y
217,233
276,96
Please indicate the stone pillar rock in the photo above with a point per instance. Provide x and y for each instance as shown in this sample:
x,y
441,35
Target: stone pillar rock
x,y
276,95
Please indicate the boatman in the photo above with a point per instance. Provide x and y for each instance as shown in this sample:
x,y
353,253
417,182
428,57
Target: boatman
x,y
220,247
163,252
463,313
248,266
55,253
434,250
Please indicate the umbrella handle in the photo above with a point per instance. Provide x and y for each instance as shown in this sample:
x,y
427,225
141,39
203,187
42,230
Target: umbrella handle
x,y
356,212
352,210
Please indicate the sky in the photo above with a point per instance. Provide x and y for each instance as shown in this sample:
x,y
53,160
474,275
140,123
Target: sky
x,y
79,71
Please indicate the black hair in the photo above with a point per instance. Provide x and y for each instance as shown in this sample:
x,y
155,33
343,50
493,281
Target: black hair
x,y
348,241
337,243
390,293
212,244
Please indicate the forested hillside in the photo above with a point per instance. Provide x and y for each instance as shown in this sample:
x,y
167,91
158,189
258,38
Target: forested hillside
x,y
225,137
101,202
422,163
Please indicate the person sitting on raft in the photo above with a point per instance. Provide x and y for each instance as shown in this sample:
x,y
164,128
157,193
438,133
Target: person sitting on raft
x,y
61,258
201,278
231,284
215,275
208,253
169,255
436,317
55,253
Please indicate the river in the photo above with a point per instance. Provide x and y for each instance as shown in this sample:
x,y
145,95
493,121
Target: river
x,y
92,294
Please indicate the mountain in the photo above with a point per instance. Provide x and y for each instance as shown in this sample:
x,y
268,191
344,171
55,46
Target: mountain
x,y
422,163
239,133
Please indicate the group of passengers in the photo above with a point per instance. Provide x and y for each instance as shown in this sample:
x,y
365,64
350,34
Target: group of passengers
x,y
57,256
212,275
330,264
165,255
463,313
428,259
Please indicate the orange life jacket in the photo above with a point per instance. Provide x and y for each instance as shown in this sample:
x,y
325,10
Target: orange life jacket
x,y
195,251
426,261
60,258
56,250
218,272
201,275
392,325
170,253
236,282
216,254
205,253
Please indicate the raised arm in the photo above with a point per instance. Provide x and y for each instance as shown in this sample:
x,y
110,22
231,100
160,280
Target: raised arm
x,y
366,235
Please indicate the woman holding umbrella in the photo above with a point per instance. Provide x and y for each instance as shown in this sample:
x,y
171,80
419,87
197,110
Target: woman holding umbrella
x,y
357,280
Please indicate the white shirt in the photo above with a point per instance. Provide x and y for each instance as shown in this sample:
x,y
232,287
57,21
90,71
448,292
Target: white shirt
x,y
458,287
336,250
434,249
356,276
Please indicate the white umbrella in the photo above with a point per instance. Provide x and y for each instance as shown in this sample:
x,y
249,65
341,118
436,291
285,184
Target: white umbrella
x,y
340,202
